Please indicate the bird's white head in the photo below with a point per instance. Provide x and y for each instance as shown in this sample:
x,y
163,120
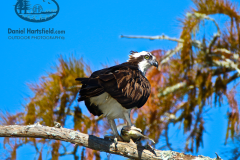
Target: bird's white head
x,y
143,59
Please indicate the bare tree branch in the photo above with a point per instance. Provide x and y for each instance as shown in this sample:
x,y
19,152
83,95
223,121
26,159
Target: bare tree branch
x,y
130,150
170,53
155,37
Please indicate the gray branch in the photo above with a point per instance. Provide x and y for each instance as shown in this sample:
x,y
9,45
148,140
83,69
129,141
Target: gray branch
x,y
155,37
171,53
130,150
173,88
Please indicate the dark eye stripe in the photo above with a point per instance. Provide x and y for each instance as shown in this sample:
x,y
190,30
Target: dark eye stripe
x,y
150,56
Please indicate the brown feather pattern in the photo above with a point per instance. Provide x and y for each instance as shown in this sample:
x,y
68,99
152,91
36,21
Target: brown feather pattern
x,y
124,82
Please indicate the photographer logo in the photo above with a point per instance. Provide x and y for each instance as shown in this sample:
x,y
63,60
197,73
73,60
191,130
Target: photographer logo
x,y
36,10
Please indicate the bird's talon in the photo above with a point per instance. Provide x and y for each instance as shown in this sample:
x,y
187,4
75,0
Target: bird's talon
x,y
119,138
148,146
109,137
115,140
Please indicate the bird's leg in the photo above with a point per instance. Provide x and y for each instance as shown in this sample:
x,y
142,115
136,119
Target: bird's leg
x,y
114,129
129,123
127,118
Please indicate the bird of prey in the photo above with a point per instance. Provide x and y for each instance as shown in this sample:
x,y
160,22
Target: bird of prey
x,y
113,92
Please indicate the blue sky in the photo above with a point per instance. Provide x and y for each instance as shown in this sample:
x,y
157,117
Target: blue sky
x,y
92,31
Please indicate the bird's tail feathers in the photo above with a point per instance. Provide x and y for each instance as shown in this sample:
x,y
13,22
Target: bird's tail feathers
x,y
82,80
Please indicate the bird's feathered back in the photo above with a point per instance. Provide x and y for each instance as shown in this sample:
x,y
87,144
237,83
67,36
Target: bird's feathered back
x,y
124,82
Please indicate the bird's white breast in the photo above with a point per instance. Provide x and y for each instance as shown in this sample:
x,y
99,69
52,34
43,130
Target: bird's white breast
x,y
143,66
109,106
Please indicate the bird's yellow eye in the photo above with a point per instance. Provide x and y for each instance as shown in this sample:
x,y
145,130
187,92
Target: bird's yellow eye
x,y
146,57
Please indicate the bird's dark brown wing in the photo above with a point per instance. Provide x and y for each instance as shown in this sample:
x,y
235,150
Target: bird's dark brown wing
x,y
125,83
90,88
128,86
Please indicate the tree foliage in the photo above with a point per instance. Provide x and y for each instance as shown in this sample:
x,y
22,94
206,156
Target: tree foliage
x,y
196,75
54,100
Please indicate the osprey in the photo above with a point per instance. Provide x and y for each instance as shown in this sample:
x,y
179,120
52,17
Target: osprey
x,y
113,92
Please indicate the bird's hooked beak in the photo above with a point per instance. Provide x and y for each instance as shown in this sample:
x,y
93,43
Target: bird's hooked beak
x,y
155,63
